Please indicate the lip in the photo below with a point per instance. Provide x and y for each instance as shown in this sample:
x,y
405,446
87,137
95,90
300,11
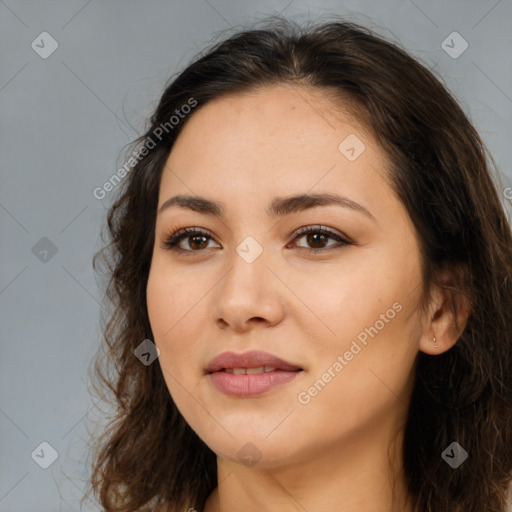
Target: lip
x,y
251,359
249,385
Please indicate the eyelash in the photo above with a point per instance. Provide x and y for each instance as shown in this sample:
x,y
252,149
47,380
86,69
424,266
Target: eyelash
x,y
173,240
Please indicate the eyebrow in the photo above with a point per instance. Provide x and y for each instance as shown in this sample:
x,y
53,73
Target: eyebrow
x,y
279,206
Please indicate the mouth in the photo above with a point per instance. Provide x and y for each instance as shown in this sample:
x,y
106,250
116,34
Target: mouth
x,y
250,374
251,382
247,385
255,371
249,363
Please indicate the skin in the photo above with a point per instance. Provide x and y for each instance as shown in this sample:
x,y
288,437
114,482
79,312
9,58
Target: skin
x,y
331,453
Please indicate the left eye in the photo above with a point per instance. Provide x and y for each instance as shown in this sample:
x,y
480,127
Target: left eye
x,y
318,235
198,238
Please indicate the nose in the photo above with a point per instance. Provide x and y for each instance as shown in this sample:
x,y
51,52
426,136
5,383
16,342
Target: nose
x,y
249,295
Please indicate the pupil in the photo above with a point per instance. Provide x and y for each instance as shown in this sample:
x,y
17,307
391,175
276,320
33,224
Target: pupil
x,y
317,235
195,237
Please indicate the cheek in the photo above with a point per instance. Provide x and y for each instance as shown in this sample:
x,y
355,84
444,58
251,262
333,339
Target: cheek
x,y
371,361
160,303
344,298
170,299
171,314
369,309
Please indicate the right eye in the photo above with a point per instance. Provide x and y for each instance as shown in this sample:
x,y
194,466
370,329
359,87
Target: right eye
x,y
173,241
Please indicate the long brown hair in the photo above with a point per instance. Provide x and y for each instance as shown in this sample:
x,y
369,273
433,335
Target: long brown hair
x,y
440,170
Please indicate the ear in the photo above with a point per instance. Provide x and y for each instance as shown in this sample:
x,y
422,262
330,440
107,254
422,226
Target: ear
x,y
446,317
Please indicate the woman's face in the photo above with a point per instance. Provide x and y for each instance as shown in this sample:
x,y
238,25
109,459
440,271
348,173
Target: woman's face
x,y
346,314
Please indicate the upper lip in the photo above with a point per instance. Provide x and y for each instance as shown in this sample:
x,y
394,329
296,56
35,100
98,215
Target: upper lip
x,y
251,359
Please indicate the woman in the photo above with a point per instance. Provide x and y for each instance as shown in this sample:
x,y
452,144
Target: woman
x,y
261,366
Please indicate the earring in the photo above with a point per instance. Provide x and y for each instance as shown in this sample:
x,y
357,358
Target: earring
x,y
435,344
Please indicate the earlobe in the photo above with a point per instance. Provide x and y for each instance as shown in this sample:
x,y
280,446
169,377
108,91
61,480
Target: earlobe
x,y
447,320
431,344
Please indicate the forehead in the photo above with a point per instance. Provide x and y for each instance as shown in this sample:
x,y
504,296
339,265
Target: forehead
x,y
282,113
276,128
278,141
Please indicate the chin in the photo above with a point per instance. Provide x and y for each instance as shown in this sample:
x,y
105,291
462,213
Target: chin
x,y
256,451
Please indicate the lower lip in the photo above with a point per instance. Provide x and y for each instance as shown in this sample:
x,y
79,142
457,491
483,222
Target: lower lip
x,y
245,386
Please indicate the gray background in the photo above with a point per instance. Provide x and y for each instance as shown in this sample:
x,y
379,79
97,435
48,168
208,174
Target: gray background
x,y
64,122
